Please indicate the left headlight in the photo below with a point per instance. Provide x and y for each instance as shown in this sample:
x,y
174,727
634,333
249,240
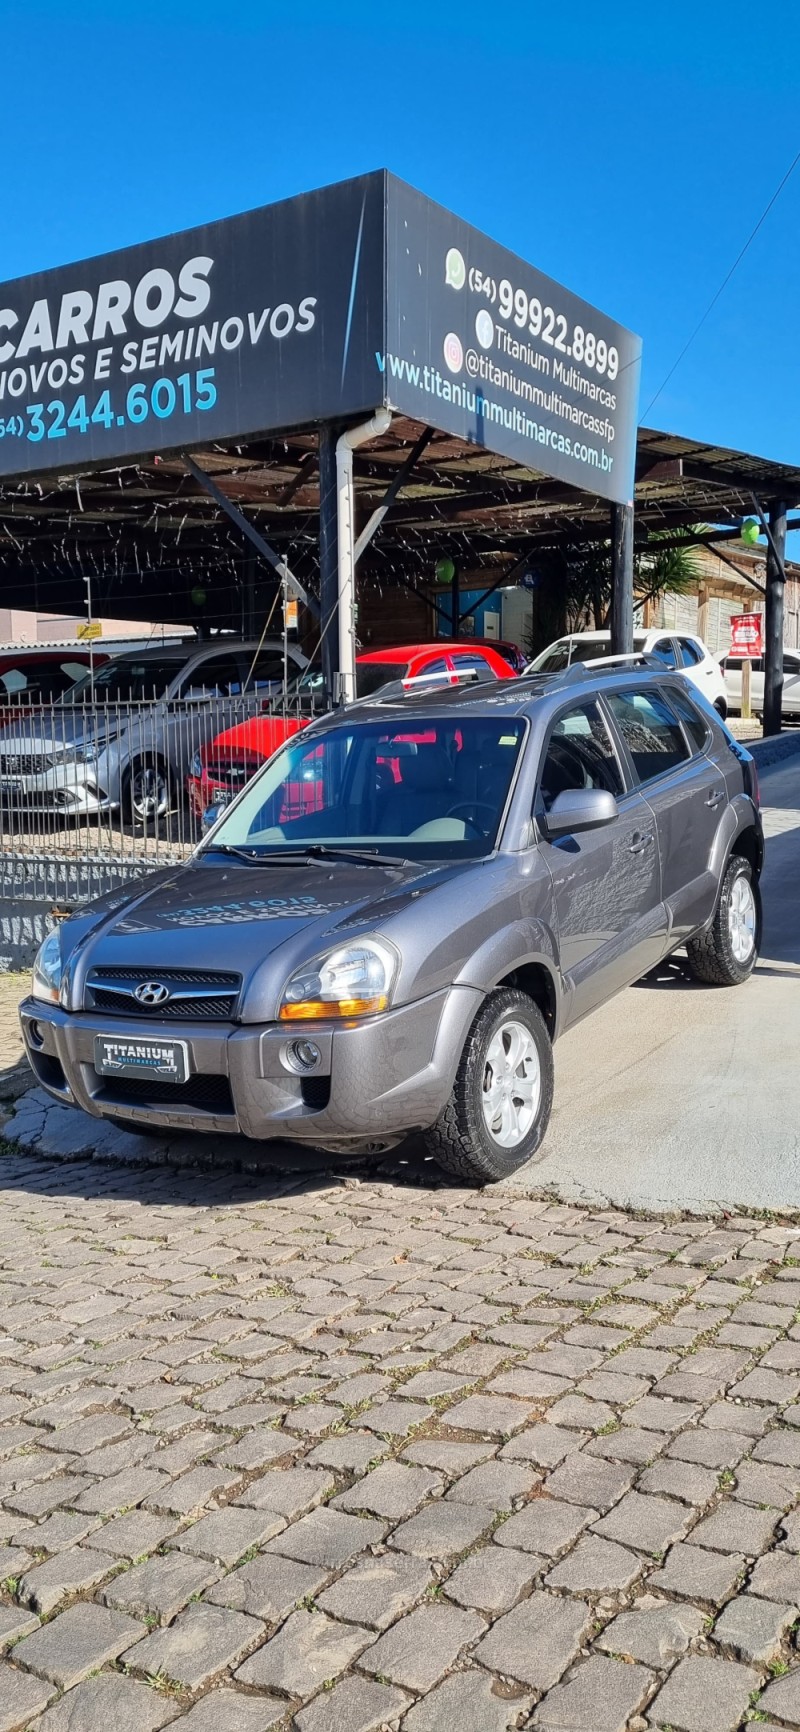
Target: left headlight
x,y
356,980
47,969
82,751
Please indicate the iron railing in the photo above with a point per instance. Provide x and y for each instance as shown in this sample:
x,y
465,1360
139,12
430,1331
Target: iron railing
x,y
98,793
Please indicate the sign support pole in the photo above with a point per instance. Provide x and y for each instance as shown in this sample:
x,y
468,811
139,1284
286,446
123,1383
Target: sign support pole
x,y
622,579
773,619
346,444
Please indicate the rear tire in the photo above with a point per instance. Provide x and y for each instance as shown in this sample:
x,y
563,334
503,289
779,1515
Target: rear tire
x,y
502,1096
727,952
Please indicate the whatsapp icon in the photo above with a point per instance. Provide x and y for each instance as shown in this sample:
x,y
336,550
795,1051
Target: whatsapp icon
x,y
455,270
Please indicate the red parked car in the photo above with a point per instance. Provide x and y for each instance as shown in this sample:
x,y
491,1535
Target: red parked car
x,y
221,768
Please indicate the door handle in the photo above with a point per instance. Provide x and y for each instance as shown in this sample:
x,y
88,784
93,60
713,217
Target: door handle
x,y
639,841
715,799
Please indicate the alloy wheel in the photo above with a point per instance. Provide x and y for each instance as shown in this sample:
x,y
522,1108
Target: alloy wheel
x,y
742,919
512,1084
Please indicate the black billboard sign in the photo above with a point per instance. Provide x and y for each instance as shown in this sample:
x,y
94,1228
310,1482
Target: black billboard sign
x,y
264,321
322,307
485,347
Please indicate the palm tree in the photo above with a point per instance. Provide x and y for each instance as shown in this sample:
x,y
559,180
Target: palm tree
x,y
655,570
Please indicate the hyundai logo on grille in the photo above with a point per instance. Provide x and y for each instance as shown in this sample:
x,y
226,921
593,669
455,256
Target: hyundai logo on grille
x,y
152,992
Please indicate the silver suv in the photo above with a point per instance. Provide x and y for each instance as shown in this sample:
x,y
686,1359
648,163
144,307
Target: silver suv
x,y
391,924
125,737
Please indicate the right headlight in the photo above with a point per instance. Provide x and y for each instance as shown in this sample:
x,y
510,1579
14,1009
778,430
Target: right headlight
x,y
355,980
196,766
47,969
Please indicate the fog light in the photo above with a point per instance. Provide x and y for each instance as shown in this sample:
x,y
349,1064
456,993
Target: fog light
x,y
35,1035
304,1054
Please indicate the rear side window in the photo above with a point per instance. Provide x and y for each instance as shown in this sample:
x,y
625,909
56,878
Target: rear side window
x,y
664,651
650,731
462,663
696,726
431,670
691,653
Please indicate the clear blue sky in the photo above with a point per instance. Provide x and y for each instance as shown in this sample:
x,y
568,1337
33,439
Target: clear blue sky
x,y
627,150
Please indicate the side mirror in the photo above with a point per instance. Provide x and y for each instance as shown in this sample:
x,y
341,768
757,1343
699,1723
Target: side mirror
x,y
579,809
212,813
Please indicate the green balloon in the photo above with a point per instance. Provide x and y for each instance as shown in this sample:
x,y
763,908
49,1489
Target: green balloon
x,y
445,571
199,597
751,529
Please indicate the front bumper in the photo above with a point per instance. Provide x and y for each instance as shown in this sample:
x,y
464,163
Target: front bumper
x,y
376,1079
66,789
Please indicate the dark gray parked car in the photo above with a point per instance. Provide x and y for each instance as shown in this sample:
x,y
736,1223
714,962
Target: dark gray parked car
x,y
391,924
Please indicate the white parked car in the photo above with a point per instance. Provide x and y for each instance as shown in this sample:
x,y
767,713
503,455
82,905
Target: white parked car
x,y
731,667
681,651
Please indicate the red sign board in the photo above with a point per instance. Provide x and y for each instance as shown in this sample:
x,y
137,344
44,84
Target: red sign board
x,y
746,635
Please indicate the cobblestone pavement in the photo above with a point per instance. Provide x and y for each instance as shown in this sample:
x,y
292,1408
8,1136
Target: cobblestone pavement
x,y
338,1456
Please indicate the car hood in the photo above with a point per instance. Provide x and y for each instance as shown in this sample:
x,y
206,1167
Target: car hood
x,y
64,727
259,736
259,922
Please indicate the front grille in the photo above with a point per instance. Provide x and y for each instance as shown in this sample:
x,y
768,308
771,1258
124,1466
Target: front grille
x,y
25,763
205,1094
232,775
195,995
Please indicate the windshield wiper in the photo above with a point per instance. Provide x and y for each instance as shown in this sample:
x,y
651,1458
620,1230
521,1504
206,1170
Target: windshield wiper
x,y
251,858
316,854
321,852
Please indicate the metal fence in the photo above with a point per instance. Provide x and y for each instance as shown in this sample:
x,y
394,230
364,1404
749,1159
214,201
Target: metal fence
x,y
96,793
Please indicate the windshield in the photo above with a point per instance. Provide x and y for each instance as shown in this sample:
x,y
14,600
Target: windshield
x,y
422,789
127,679
569,650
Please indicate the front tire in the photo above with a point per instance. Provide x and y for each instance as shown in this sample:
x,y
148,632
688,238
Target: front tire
x,y
146,796
502,1096
727,952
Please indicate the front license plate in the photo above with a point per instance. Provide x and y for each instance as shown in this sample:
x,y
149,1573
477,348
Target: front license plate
x,y
157,1060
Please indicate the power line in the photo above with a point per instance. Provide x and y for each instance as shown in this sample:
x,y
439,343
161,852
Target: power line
x,y
724,284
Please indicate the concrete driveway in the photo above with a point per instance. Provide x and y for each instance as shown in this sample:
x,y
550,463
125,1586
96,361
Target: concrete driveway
x,y
679,1096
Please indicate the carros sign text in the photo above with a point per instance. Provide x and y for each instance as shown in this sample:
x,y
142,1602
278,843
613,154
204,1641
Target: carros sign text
x,y
261,322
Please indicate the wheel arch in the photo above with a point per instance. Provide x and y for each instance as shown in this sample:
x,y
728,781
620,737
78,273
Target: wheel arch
x,y
740,833
523,955
536,980
750,845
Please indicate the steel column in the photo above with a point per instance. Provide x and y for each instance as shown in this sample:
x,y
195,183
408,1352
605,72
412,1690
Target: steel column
x,y
455,603
328,554
773,619
622,579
